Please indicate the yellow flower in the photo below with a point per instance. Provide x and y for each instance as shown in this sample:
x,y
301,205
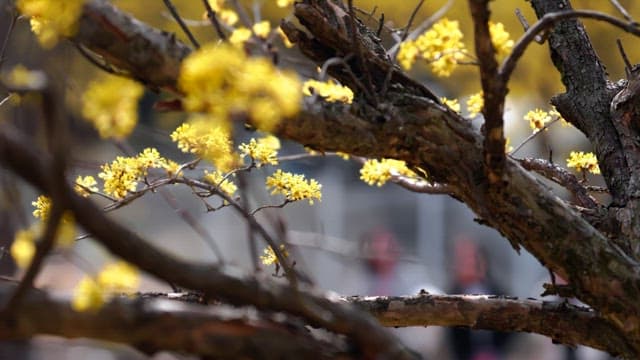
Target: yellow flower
x,y
453,104
240,36
475,103
262,29
51,20
111,105
221,81
263,151
85,186
217,179
441,47
294,186
208,138
583,161
66,231
21,77
500,39
122,175
43,207
119,277
329,90
216,5
378,172
538,119
91,293
87,296
23,247
269,257
228,17
284,3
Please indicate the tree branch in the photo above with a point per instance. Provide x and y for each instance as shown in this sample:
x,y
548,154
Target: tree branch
x,y
562,322
221,333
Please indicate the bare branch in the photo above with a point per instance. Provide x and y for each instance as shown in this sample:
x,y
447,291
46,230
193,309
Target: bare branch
x,y
174,13
563,322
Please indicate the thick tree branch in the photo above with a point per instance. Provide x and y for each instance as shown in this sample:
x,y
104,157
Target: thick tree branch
x,y
563,322
494,90
588,96
195,329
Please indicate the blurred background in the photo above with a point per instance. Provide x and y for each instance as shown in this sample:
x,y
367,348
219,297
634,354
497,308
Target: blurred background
x,y
360,239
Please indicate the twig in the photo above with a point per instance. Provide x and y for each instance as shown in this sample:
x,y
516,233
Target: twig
x,y
525,25
410,22
623,11
5,43
627,64
548,21
211,15
174,12
242,14
279,206
422,27
530,137
89,56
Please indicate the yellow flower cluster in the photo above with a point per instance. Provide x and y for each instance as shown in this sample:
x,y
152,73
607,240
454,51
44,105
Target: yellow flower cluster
x,y
85,186
378,172
24,244
222,80
284,3
475,103
294,186
51,20
123,174
111,105
453,104
500,39
92,292
208,138
42,207
269,257
441,46
583,162
329,90
538,118
262,151
217,179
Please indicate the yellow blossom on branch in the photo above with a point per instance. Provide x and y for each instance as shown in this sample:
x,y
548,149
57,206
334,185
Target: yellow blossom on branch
x,y
85,186
294,187
329,90
452,103
378,172
216,178
123,174
111,105
475,103
240,36
269,257
51,20
208,138
42,207
500,39
538,119
262,151
23,247
441,47
221,80
262,29
117,278
582,161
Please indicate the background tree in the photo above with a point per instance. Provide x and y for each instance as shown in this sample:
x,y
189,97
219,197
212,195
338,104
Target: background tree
x,y
592,244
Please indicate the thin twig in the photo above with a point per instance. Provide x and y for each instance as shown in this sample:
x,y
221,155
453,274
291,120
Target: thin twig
x,y
242,14
279,206
410,22
627,63
211,15
422,27
623,11
174,12
90,57
530,137
548,21
5,43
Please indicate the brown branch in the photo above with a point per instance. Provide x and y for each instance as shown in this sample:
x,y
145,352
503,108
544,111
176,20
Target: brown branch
x,y
214,282
221,333
176,16
561,176
494,90
563,322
